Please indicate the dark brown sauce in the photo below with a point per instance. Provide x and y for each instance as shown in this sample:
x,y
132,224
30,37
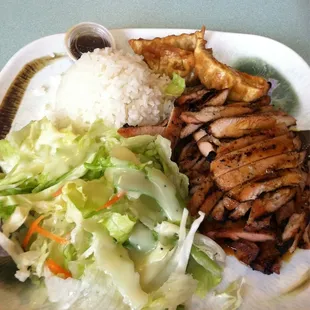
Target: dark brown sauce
x,y
87,43
287,256
17,89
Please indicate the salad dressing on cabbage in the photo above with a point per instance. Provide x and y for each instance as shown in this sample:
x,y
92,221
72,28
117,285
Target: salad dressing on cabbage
x,y
101,220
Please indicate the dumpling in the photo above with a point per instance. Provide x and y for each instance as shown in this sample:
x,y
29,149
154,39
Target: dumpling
x,y
214,74
171,54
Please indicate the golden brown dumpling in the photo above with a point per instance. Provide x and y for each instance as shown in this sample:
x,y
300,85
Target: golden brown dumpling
x,y
213,74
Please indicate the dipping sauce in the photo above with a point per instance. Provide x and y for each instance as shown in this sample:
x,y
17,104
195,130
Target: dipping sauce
x,y
87,43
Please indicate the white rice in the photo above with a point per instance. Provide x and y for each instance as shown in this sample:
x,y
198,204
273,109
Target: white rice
x,y
114,86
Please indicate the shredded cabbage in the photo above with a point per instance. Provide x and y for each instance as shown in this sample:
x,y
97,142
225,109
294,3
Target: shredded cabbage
x,y
139,250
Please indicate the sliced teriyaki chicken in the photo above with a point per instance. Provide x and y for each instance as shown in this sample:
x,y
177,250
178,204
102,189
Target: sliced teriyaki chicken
x,y
246,251
285,212
132,131
213,74
281,117
306,238
216,98
199,196
235,127
240,210
174,126
294,225
210,202
240,143
239,233
248,172
271,202
295,229
203,134
189,156
230,204
208,114
259,224
254,152
251,191
261,102
268,259
192,94
218,211
205,147
189,129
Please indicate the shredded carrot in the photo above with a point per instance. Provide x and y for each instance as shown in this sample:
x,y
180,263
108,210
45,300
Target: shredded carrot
x,y
56,269
51,236
32,230
113,200
35,228
58,192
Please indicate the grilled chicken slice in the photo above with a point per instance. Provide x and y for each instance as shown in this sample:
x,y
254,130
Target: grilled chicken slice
x,y
230,204
295,223
218,211
285,212
201,165
189,156
211,201
240,143
174,127
261,102
248,172
199,196
212,113
192,94
199,134
205,147
259,225
270,203
235,127
189,129
132,131
203,134
214,74
254,152
246,251
251,191
239,233
268,259
218,99
240,210
306,238
280,117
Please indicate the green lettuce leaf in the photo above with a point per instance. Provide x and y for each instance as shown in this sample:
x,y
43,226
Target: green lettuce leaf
x,y
231,297
6,211
176,86
119,226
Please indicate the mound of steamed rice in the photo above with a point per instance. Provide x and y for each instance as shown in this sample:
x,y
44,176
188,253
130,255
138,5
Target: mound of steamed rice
x,y
114,86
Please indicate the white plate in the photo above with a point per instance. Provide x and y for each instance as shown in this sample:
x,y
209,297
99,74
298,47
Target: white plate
x,y
261,290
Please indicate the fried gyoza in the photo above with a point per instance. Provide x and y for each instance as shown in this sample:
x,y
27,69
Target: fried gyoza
x,y
172,54
213,74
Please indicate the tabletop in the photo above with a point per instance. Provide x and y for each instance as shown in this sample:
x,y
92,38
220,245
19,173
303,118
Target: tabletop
x,y
283,20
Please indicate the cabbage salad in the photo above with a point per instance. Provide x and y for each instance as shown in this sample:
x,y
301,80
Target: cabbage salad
x,y
100,220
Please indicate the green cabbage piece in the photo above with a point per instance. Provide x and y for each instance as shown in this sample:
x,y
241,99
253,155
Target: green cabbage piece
x,y
176,87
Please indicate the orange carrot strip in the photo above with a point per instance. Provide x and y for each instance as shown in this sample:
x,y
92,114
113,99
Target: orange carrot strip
x,y
51,236
58,192
32,230
56,269
35,228
113,200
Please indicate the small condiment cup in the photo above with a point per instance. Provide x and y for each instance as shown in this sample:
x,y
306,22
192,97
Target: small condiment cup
x,y
92,35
